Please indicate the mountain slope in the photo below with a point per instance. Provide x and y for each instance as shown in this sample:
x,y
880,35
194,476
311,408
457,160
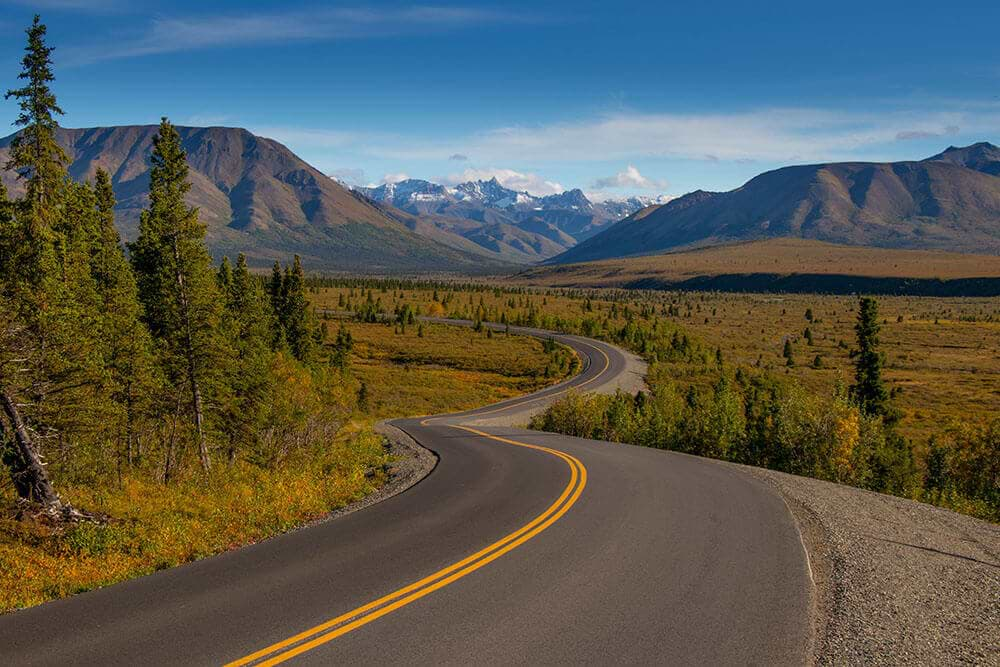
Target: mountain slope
x,y
258,197
948,202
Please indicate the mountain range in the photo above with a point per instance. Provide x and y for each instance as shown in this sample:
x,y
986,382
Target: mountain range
x,y
518,226
256,196
950,201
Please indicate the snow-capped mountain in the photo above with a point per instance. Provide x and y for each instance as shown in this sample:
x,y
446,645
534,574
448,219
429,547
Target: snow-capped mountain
x,y
413,194
516,224
623,207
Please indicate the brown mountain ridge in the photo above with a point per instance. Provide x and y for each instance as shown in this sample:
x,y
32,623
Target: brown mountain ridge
x,y
948,202
257,197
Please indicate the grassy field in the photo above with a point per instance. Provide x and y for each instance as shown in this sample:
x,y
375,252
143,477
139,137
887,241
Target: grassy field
x,y
775,256
156,526
943,354
446,369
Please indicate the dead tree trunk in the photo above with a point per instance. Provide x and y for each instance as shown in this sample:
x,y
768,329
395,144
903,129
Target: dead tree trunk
x,y
28,471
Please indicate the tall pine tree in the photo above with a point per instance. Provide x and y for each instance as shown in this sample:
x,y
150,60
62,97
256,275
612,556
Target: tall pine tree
x,y
868,388
177,286
299,324
47,334
126,344
249,329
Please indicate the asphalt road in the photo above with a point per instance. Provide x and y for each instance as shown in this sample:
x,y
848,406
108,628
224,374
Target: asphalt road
x,y
520,547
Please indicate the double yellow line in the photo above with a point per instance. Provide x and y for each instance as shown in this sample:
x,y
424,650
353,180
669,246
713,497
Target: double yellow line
x,y
356,618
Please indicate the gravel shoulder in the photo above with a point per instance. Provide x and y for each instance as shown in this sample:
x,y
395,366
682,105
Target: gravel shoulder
x,y
897,582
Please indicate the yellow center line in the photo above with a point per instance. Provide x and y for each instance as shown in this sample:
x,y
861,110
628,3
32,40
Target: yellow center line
x,y
530,399
408,594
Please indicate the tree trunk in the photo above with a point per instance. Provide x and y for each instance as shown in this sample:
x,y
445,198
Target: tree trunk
x,y
129,426
169,458
28,471
199,415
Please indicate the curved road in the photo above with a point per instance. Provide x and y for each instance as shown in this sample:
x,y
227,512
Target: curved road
x,y
520,547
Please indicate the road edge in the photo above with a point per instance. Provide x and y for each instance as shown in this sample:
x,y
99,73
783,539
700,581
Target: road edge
x,y
413,462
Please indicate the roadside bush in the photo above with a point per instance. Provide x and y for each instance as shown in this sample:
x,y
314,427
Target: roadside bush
x,y
756,419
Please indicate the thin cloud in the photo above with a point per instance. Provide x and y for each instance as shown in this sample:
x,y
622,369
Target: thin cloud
x,y
776,135
910,135
509,178
629,178
458,157
348,175
394,178
175,34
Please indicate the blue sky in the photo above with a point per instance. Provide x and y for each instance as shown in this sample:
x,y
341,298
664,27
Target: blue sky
x,y
615,98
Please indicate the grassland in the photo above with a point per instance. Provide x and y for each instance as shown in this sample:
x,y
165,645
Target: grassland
x,y
446,369
775,257
156,526
943,354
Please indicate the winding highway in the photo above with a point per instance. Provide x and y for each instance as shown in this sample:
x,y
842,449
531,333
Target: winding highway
x,y
520,547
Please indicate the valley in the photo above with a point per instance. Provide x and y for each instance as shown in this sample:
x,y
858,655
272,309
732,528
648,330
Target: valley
x,y
446,372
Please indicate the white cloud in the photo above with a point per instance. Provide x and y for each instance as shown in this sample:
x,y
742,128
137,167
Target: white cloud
x,y
209,119
515,180
348,175
394,178
630,178
776,135
173,34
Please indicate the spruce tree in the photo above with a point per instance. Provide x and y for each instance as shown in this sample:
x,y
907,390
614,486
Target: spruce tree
x,y
276,292
298,320
127,346
177,285
47,302
248,324
868,389
34,153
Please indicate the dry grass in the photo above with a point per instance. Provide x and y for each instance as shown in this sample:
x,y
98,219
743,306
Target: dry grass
x,y
157,526
943,354
775,256
448,369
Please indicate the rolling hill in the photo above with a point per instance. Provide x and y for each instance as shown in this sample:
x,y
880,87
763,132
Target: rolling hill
x,y
258,197
948,202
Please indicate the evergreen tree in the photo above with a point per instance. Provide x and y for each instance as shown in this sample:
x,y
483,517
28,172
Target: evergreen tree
x,y
868,389
276,292
47,300
249,328
177,286
298,319
127,347
340,357
788,353
34,153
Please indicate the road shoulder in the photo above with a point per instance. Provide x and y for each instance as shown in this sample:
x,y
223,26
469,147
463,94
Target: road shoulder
x,y
897,582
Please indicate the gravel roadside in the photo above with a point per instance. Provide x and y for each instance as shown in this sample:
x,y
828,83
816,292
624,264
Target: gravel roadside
x,y
897,582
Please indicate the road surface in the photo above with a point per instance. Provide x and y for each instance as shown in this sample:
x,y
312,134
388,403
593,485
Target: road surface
x,y
520,547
